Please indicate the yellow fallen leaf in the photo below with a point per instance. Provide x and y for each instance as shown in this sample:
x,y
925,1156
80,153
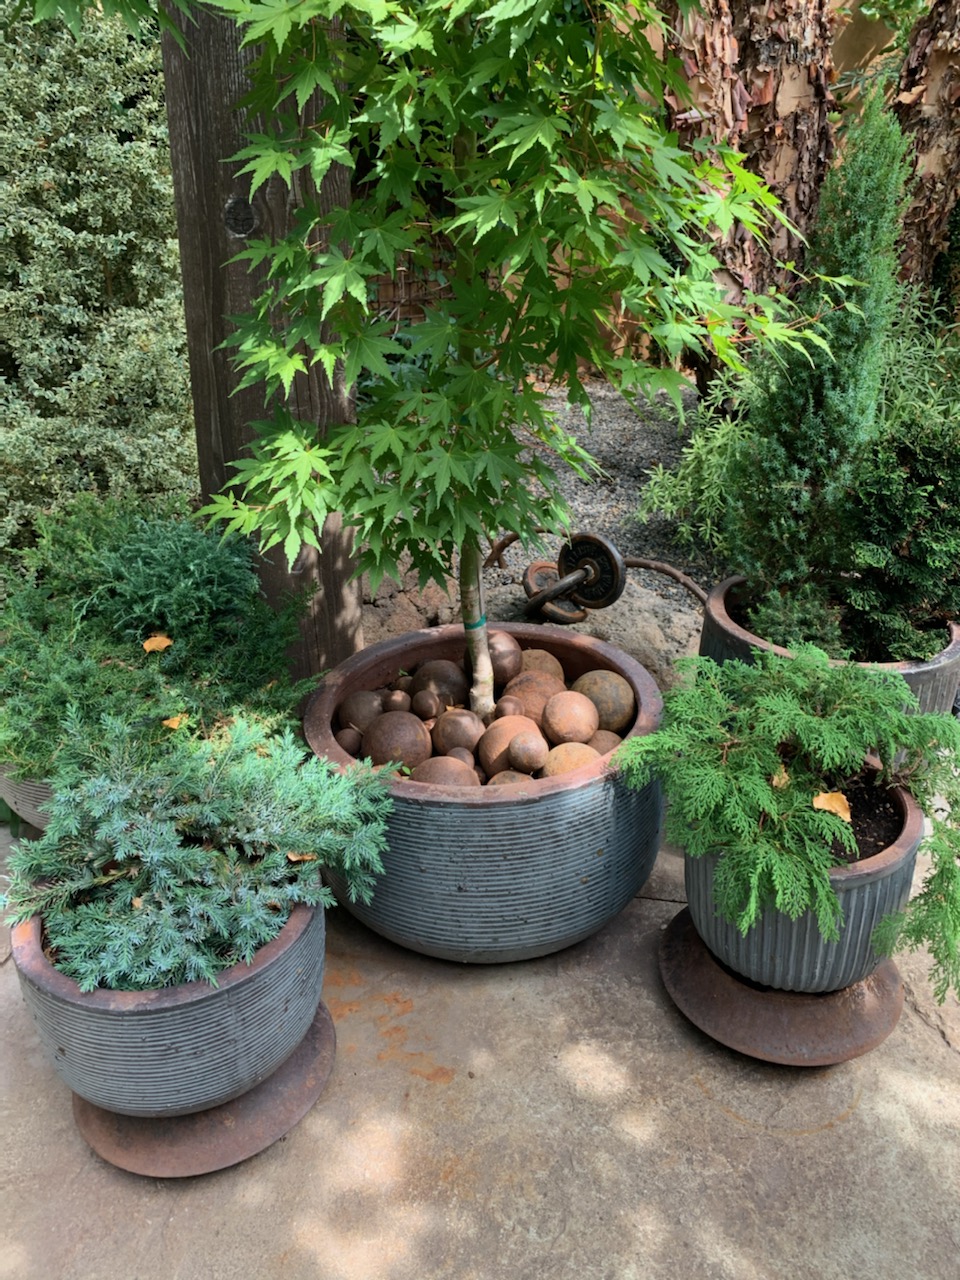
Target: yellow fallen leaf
x,y
833,802
138,903
157,643
174,722
781,779
301,857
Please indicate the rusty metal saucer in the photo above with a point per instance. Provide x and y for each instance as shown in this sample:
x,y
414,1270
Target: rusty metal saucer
x,y
184,1146
792,1028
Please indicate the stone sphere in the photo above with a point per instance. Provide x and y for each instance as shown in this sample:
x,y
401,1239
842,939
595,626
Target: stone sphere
x,y
350,740
399,736
445,679
403,683
506,656
461,753
445,771
508,705
568,756
541,660
359,709
494,747
603,741
457,728
570,717
528,751
426,704
396,700
612,695
508,777
534,689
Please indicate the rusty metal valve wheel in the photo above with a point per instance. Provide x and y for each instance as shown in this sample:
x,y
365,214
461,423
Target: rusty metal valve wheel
x,y
603,567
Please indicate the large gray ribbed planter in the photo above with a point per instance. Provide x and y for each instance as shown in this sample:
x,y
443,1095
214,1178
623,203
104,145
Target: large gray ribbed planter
x,y
791,955
495,874
181,1049
934,682
25,798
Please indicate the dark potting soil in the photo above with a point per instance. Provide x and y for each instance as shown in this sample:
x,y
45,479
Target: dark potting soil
x,y
875,818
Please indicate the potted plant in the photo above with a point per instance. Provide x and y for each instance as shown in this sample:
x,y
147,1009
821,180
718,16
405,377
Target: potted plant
x,y
168,923
828,482
797,788
519,159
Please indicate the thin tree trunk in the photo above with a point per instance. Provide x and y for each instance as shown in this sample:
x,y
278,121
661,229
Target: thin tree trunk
x,y
214,217
928,106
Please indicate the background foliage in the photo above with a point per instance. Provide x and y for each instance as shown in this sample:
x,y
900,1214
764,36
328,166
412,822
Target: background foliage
x,y
94,392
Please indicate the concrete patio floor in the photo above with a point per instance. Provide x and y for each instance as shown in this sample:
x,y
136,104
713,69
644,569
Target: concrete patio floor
x,y
557,1119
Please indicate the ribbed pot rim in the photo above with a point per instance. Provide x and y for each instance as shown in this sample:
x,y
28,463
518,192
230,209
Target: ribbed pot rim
x,y
716,605
31,961
379,663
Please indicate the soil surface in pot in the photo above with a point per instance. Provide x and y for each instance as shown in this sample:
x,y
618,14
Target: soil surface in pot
x,y
875,819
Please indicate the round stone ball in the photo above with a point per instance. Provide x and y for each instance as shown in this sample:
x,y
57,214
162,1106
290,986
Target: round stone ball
x,y
541,660
399,736
570,717
426,704
457,728
508,777
506,656
396,700
534,689
528,751
603,741
613,697
350,740
461,753
403,683
508,705
445,679
493,749
445,771
358,710
566,757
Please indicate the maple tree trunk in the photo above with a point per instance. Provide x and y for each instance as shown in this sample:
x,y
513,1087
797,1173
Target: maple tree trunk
x,y
215,215
928,107
759,78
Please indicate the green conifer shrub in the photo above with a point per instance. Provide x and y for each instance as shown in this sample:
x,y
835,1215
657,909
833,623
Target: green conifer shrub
x,y
94,393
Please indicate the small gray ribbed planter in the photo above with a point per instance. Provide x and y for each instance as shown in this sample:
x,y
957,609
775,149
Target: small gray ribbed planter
x,y
791,955
494,874
25,798
934,682
177,1050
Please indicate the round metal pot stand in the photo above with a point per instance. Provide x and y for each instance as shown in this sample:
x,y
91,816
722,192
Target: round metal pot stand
x,y
782,993
934,682
186,1080
494,874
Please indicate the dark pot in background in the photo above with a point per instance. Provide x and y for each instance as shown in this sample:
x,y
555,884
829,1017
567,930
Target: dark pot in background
x,y
25,798
935,682
498,874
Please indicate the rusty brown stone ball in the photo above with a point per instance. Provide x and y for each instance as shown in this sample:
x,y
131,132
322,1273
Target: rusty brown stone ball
x,y
506,656
612,695
445,771
604,741
493,749
360,709
396,700
461,753
534,689
350,739
566,757
507,778
426,704
399,736
508,705
445,679
569,717
541,660
457,728
528,751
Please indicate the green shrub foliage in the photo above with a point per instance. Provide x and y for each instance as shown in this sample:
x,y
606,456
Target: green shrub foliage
x,y
167,860
94,393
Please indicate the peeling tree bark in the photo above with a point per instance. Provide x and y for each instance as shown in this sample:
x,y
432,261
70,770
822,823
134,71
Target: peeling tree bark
x,y
215,215
928,106
759,77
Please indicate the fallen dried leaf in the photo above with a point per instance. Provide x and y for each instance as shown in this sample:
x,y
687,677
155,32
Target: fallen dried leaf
x,y
301,857
174,722
157,643
833,802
